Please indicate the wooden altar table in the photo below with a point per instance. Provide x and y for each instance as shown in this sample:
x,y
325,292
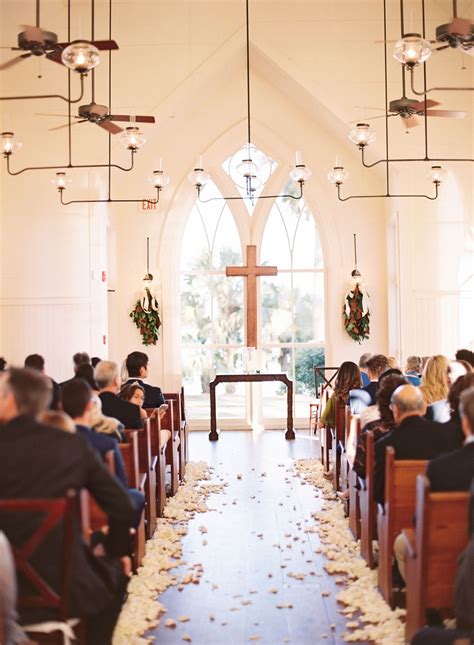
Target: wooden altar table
x,y
251,378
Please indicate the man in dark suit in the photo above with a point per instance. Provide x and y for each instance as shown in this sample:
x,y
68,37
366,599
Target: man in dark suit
x,y
79,358
137,368
40,462
36,362
106,375
412,438
376,366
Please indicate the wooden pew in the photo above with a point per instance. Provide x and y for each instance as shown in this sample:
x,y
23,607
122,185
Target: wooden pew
x,y
352,437
180,427
337,441
167,422
158,449
366,503
136,479
396,513
147,464
433,549
325,431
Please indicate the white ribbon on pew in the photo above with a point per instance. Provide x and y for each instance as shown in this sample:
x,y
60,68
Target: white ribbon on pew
x,y
55,626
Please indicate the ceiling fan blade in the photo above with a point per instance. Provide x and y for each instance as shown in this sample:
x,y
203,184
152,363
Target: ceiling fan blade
x,y
439,49
110,127
55,56
105,45
13,61
34,34
468,50
131,119
459,26
447,113
410,122
421,106
64,116
60,127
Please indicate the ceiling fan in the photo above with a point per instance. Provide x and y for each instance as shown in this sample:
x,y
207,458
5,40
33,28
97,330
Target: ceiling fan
x,y
409,109
99,114
459,33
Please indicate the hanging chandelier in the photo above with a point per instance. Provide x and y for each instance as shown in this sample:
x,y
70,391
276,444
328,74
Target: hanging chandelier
x,y
249,175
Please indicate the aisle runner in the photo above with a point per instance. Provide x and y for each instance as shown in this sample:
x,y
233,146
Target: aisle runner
x,y
142,610
373,620
369,617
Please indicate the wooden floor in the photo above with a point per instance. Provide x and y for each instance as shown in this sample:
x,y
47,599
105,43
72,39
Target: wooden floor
x,y
241,562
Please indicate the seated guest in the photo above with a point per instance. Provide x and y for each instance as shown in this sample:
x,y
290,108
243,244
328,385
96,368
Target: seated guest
x,y
137,368
393,363
95,360
413,369
40,462
103,424
371,413
457,369
86,372
363,368
376,366
453,427
434,386
106,375
13,633
465,355
57,419
384,424
412,438
36,362
348,378
134,393
3,364
79,358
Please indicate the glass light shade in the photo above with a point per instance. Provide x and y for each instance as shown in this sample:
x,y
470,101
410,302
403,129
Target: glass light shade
x,y
81,57
159,179
338,175
361,135
198,177
412,50
437,174
61,181
300,173
133,138
9,145
247,168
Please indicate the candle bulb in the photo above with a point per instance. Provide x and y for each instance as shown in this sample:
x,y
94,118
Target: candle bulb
x,y
298,158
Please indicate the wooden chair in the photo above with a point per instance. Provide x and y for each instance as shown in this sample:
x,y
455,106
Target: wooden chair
x,y
136,479
40,594
180,426
366,503
324,432
352,437
396,513
158,450
338,434
433,550
147,464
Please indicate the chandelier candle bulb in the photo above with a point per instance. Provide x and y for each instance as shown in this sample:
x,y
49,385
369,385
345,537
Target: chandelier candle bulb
x,y
81,57
437,174
361,135
9,145
411,50
298,158
132,138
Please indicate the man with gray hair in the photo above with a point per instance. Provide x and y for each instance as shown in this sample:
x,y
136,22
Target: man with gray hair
x,y
106,375
412,438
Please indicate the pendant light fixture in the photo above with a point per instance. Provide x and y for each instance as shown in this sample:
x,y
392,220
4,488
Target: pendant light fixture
x,y
248,173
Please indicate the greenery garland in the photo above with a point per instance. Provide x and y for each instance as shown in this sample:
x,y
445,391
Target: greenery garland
x,y
148,323
356,315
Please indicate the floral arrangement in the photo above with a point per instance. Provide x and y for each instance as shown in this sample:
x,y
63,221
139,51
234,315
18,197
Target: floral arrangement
x,y
145,314
356,310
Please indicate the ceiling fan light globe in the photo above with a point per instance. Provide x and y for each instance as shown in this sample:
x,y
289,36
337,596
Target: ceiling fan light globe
x,y
338,175
437,174
159,179
81,57
61,180
361,135
300,173
9,145
411,50
132,138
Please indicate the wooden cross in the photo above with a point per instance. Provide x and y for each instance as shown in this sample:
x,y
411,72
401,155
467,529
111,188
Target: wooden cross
x,y
251,271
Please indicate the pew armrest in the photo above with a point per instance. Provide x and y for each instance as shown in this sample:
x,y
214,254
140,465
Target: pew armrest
x,y
141,481
410,542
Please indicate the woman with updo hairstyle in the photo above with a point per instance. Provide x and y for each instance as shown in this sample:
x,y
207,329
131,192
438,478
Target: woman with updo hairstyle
x,y
86,372
348,378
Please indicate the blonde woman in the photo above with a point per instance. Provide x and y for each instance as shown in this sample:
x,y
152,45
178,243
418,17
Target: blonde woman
x,y
435,388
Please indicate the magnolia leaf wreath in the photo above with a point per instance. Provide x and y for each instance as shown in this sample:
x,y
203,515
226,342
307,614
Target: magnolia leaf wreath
x,y
356,312
145,315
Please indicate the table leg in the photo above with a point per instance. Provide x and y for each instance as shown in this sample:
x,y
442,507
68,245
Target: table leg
x,y
213,435
290,433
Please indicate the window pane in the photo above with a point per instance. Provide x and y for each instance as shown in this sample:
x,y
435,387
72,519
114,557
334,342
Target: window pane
x,y
276,360
228,319
195,247
308,298
307,251
276,244
196,308
226,248
275,309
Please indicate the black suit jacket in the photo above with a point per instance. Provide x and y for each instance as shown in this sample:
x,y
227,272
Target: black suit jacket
x,y
40,462
414,438
127,413
153,395
452,471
